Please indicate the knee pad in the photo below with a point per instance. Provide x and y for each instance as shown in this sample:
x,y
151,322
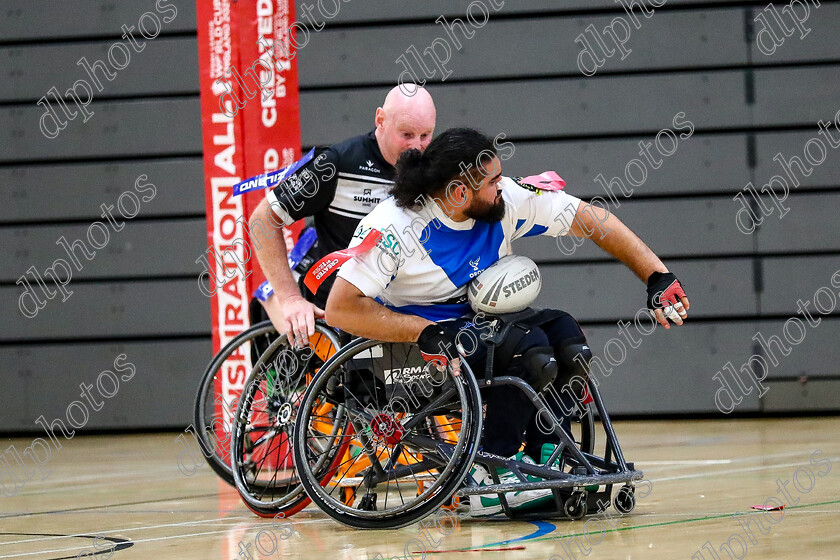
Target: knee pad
x,y
575,356
540,367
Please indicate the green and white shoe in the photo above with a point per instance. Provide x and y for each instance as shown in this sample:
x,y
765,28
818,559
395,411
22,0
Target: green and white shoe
x,y
483,505
545,454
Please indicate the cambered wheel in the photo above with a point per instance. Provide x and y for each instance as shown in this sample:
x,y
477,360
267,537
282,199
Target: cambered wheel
x,y
213,415
412,435
262,442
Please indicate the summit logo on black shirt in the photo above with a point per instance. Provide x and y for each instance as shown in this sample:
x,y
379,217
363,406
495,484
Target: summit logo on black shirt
x,y
369,167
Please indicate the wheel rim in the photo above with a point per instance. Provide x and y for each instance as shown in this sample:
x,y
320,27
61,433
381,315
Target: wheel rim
x,y
213,417
404,455
264,470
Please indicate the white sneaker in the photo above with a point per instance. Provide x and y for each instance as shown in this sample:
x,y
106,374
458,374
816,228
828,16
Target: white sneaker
x,y
483,505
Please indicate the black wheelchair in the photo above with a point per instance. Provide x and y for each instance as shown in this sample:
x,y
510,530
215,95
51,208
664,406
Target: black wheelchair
x,y
383,438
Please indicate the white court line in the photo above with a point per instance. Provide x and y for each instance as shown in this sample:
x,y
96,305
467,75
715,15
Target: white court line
x,y
52,484
148,527
747,459
745,469
689,462
154,539
215,520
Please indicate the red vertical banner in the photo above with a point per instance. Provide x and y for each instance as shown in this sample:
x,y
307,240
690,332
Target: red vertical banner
x,y
222,143
272,117
250,124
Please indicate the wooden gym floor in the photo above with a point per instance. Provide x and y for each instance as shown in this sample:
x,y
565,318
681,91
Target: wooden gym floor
x,y
124,497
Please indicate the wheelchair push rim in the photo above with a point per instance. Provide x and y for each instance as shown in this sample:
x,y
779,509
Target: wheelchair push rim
x,y
213,417
262,441
417,455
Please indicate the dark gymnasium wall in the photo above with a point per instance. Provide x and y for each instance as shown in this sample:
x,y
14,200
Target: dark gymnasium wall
x,y
692,76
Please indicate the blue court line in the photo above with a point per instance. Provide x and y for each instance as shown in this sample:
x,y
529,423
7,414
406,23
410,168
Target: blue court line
x,y
543,528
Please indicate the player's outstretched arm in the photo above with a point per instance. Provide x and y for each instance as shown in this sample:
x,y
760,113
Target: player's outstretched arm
x,y
611,235
288,310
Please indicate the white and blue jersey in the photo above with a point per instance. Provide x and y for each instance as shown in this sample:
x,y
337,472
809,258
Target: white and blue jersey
x,y
430,280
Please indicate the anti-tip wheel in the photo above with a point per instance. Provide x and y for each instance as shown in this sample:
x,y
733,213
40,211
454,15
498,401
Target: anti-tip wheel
x,y
625,500
575,506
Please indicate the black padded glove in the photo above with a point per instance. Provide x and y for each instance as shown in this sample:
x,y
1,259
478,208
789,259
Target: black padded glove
x,y
438,344
663,290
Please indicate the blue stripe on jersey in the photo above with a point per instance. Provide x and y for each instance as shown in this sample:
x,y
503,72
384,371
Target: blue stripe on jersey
x,y
462,254
435,312
536,230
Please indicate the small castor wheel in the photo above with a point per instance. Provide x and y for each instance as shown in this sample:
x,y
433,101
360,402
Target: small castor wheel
x,y
625,500
575,506
368,502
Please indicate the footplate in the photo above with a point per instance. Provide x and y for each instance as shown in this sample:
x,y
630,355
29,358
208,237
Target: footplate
x,y
568,481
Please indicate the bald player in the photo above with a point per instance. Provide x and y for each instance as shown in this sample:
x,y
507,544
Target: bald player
x,y
338,187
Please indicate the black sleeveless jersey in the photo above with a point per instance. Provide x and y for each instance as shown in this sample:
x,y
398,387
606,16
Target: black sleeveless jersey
x,y
338,187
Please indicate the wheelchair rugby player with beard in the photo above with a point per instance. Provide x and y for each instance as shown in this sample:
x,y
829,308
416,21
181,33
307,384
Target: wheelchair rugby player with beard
x,y
464,213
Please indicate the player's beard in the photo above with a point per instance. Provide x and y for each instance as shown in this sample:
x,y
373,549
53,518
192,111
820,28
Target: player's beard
x,y
485,211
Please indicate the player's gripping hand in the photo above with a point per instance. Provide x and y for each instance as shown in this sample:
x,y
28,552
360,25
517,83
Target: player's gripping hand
x,y
294,317
666,297
438,345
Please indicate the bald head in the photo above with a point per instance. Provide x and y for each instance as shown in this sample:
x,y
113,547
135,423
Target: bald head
x,y
404,121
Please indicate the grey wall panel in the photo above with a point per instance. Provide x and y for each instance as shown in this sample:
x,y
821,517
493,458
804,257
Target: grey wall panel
x,y
38,19
163,66
156,308
796,95
379,10
817,355
820,43
595,292
139,401
670,372
140,249
541,249
795,396
536,108
701,164
76,191
692,227
788,279
790,144
543,46
117,128
810,224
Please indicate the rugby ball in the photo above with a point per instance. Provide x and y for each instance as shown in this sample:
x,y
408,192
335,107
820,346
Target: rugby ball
x,y
509,285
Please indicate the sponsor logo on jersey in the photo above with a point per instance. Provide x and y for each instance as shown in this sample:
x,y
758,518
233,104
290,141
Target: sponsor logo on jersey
x,y
390,243
474,264
366,200
369,167
522,282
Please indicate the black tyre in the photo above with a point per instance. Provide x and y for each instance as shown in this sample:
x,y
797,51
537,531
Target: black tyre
x,y
575,506
213,418
263,469
414,429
